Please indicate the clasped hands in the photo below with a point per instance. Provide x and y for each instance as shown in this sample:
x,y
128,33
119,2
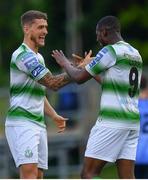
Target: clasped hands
x,y
77,61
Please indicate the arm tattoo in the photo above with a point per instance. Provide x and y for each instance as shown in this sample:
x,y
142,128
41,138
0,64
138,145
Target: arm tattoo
x,y
55,82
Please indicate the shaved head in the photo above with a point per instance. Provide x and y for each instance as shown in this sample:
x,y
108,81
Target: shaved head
x,y
109,23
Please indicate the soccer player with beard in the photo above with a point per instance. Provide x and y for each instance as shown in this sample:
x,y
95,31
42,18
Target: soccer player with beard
x,y
25,126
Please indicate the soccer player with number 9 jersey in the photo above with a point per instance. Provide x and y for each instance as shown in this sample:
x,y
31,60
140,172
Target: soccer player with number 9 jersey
x,y
114,136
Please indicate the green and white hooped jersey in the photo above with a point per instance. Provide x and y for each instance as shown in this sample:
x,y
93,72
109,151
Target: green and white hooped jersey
x,y
26,94
122,67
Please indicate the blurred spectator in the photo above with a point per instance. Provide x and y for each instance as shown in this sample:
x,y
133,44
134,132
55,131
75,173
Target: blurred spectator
x,y
141,166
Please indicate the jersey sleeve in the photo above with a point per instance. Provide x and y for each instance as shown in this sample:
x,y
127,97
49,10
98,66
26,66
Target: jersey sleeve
x,y
30,64
104,59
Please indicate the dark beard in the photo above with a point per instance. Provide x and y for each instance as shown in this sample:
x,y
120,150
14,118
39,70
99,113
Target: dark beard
x,y
33,39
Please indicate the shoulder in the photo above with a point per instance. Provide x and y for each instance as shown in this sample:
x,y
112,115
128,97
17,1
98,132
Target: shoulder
x,y
21,54
109,49
40,57
25,55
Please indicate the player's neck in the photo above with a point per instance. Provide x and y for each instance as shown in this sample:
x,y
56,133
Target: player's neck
x,y
31,45
114,38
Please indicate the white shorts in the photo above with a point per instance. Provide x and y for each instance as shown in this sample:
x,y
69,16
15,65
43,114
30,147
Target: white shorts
x,y
28,143
110,144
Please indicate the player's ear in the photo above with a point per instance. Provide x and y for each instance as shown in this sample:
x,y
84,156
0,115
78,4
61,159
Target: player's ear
x,y
26,28
104,32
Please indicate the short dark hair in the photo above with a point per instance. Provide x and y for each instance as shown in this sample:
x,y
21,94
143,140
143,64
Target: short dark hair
x,y
30,16
110,23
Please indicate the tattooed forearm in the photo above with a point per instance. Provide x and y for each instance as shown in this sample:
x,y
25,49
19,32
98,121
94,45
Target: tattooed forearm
x,y
55,82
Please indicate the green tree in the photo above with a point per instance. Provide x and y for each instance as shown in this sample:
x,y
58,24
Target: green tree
x,y
132,14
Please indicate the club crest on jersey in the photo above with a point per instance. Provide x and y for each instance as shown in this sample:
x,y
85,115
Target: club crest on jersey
x,y
37,70
28,153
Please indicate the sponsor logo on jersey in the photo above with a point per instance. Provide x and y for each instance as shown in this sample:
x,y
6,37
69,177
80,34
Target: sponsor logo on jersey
x,y
98,57
104,50
95,60
27,56
31,63
37,70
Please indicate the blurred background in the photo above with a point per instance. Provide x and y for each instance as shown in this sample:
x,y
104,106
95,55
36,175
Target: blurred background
x,y
71,27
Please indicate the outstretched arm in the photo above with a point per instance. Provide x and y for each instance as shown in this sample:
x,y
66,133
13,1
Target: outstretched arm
x,y
55,82
83,61
29,63
58,120
78,75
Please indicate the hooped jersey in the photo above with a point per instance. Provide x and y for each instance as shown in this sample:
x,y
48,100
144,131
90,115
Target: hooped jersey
x,y
26,94
122,67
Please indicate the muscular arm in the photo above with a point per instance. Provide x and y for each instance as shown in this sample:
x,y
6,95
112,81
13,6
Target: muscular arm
x,y
98,79
48,109
58,120
78,75
55,82
82,62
